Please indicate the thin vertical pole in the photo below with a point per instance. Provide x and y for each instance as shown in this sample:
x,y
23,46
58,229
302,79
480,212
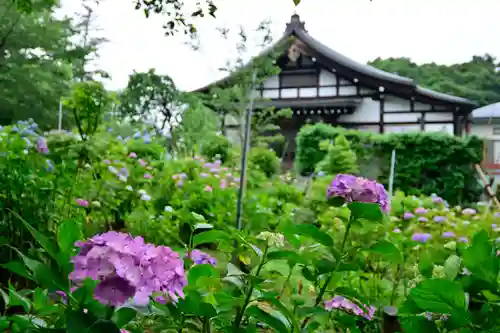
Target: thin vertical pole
x,y
244,157
391,175
59,124
244,164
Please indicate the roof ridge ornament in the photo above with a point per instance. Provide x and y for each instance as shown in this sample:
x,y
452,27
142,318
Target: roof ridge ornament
x,y
295,24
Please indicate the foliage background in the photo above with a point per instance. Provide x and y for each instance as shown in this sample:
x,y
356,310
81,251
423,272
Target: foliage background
x,y
426,163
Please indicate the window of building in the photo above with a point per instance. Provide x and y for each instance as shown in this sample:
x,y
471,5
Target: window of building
x,y
496,130
298,80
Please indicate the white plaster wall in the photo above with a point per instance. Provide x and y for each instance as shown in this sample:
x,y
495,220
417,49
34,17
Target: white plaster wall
x,y
401,128
444,128
439,116
326,78
401,117
484,131
396,104
367,111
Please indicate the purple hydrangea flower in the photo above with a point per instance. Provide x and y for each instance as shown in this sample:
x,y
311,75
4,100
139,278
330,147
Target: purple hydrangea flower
x,y
463,240
358,189
200,258
123,174
420,211
148,176
132,155
469,211
396,230
41,146
436,199
203,175
142,162
497,214
422,219
342,303
408,216
439,219
82,202
448,234
421,237
127,267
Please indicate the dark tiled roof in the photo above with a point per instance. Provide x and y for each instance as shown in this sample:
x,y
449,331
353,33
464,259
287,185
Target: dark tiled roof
x,y
296,28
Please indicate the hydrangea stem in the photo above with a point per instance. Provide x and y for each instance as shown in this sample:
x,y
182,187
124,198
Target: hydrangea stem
x,y
322,291
241,312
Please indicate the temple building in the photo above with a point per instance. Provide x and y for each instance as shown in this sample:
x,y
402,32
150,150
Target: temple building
x,y
322,85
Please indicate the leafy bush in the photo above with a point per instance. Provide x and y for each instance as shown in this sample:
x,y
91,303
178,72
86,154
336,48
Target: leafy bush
x,y
339,157
265,159
216,146
326,259
426,163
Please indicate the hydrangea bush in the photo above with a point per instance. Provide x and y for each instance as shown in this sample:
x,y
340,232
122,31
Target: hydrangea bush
x,y
112,235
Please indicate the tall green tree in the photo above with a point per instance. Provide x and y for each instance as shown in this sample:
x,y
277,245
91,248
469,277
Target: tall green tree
x,y
150,96
34,67
477,79
232,97
88,41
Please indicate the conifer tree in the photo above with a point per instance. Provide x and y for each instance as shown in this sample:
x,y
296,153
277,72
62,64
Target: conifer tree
x,y
339,158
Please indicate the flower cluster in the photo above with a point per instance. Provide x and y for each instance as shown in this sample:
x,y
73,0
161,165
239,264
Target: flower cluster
x,y
342,303
352,188
273,239
127,267
200,258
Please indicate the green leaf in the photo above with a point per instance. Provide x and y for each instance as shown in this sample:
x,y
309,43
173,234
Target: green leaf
x,y
43,240
79,322
313,232
296,2
124,316
198,271
452,266
366,211
388,251
335,201
426,264
285,311
418,324
104,326
68,233
211,236
16,299
290,256
18,268
268,319
439,296
40,299
193,304
480,259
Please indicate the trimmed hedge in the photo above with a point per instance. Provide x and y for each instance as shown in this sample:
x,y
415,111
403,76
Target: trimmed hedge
x,y
426,163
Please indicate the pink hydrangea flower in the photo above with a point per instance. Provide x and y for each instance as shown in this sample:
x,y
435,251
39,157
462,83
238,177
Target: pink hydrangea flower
x,y
132,155
342,303
82,202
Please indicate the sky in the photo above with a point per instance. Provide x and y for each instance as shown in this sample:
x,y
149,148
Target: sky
x,y
441,31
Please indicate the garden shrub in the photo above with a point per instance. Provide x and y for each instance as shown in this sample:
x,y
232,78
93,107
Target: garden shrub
x,y
216,147
339,158
426,163
265,159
